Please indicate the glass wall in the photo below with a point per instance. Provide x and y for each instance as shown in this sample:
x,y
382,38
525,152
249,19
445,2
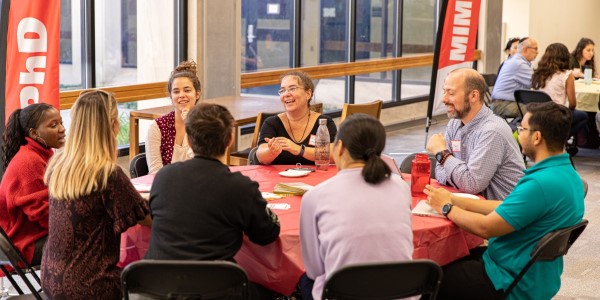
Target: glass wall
x,y
324,28
133,43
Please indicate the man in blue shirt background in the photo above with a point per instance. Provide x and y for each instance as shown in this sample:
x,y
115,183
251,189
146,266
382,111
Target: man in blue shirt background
x,y
548,197
515,75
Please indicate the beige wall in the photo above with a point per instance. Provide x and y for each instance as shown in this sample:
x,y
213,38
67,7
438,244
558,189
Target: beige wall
x,y
551,21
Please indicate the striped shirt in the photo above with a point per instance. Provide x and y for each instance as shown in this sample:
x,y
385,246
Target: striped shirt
x,y
486,159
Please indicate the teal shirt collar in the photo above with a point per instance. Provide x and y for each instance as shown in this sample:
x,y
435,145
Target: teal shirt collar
x,y
552,161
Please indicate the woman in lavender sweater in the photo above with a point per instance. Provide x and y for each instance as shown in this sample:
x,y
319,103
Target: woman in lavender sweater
x,y
361,215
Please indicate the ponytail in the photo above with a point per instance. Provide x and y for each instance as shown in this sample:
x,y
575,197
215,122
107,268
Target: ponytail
x,y
375,169
14,138
364,138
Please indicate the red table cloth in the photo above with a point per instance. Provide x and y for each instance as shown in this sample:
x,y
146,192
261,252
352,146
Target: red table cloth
x,y
278,266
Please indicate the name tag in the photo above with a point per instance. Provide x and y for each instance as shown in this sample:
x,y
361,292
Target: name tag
x,y
455,145
313,140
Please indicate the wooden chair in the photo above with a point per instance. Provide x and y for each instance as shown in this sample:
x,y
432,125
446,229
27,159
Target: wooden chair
x,y
552,246
184,279
385,281
240,158
372,108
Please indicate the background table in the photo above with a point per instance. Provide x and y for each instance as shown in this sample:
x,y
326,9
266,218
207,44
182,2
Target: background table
x,y
587,100
244,110
279,265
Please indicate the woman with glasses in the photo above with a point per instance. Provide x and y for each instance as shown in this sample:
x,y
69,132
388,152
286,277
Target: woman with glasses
x,y
92,201
166,141
583,57
289,137
31,135
554,77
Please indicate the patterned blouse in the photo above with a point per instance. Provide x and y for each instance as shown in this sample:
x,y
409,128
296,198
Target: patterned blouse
x,y
81,254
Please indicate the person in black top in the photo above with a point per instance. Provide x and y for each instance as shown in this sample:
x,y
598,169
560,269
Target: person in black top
x,y
201,209
289,137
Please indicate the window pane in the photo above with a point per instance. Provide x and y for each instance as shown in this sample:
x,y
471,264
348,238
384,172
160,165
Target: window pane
x,y
374,86
70,45
266,34
324,26
418,28
330,92
136,47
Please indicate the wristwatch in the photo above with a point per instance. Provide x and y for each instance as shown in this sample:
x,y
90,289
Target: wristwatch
x,y
442,155
446,209
302,147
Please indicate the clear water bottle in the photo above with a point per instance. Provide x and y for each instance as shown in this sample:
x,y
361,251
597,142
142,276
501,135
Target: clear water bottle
x,y
587,76
322,146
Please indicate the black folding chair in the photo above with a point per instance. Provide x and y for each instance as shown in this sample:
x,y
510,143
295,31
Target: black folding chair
x,y
170,279
552,246
11,257
385,281
138,166
406,164
490,81
530,96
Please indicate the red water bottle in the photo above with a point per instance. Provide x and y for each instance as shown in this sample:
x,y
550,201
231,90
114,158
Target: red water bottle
x,y
420,173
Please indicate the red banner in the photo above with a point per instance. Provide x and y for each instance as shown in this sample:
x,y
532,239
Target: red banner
x,y
455,46
32,54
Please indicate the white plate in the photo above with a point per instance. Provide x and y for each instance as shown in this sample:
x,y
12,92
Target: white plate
x,y
471,196
294,173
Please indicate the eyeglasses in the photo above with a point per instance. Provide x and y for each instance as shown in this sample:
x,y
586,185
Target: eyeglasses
x,y
521,128
288,90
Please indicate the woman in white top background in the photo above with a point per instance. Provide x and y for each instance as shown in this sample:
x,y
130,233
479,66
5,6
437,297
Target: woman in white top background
x,y
554,77
167,141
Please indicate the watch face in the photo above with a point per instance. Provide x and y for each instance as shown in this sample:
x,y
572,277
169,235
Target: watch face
x,y
439,156
446,208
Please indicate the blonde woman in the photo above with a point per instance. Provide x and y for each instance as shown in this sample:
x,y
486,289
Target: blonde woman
x,y
91,203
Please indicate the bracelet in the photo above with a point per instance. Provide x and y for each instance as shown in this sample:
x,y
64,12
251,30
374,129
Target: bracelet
x,y
302,147
446,155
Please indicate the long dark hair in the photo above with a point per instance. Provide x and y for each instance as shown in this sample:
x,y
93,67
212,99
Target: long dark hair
x,y
555,59
578,53
17,128
364,138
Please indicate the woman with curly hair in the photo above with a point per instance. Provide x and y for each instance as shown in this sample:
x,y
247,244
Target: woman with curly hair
x,y
30,137
553,77
167,141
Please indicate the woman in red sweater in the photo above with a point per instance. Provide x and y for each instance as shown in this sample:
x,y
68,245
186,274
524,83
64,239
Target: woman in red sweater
x,y
31,134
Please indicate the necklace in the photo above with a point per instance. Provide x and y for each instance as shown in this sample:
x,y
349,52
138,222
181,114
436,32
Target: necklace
x,y
292,131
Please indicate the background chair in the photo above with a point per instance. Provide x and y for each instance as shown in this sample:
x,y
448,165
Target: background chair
x,y
530,96
138,166
170,279
490,81
385,281
240,158
406,164
552,246
372,108
11,257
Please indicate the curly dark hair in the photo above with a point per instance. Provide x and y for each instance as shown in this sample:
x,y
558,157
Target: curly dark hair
x,y
304,80
187,69
555,59
578,54
17,128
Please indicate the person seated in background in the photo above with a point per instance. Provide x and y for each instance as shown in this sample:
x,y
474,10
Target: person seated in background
x,y
582,58
515,75
92,201
478,153
510,49
361,215
201,210
554,77
166,140
289,137
540,203
30,137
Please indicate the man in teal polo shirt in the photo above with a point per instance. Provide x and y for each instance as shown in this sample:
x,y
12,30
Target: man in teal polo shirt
x,y
548,197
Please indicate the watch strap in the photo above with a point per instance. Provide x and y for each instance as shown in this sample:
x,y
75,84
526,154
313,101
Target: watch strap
x,y
302,148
